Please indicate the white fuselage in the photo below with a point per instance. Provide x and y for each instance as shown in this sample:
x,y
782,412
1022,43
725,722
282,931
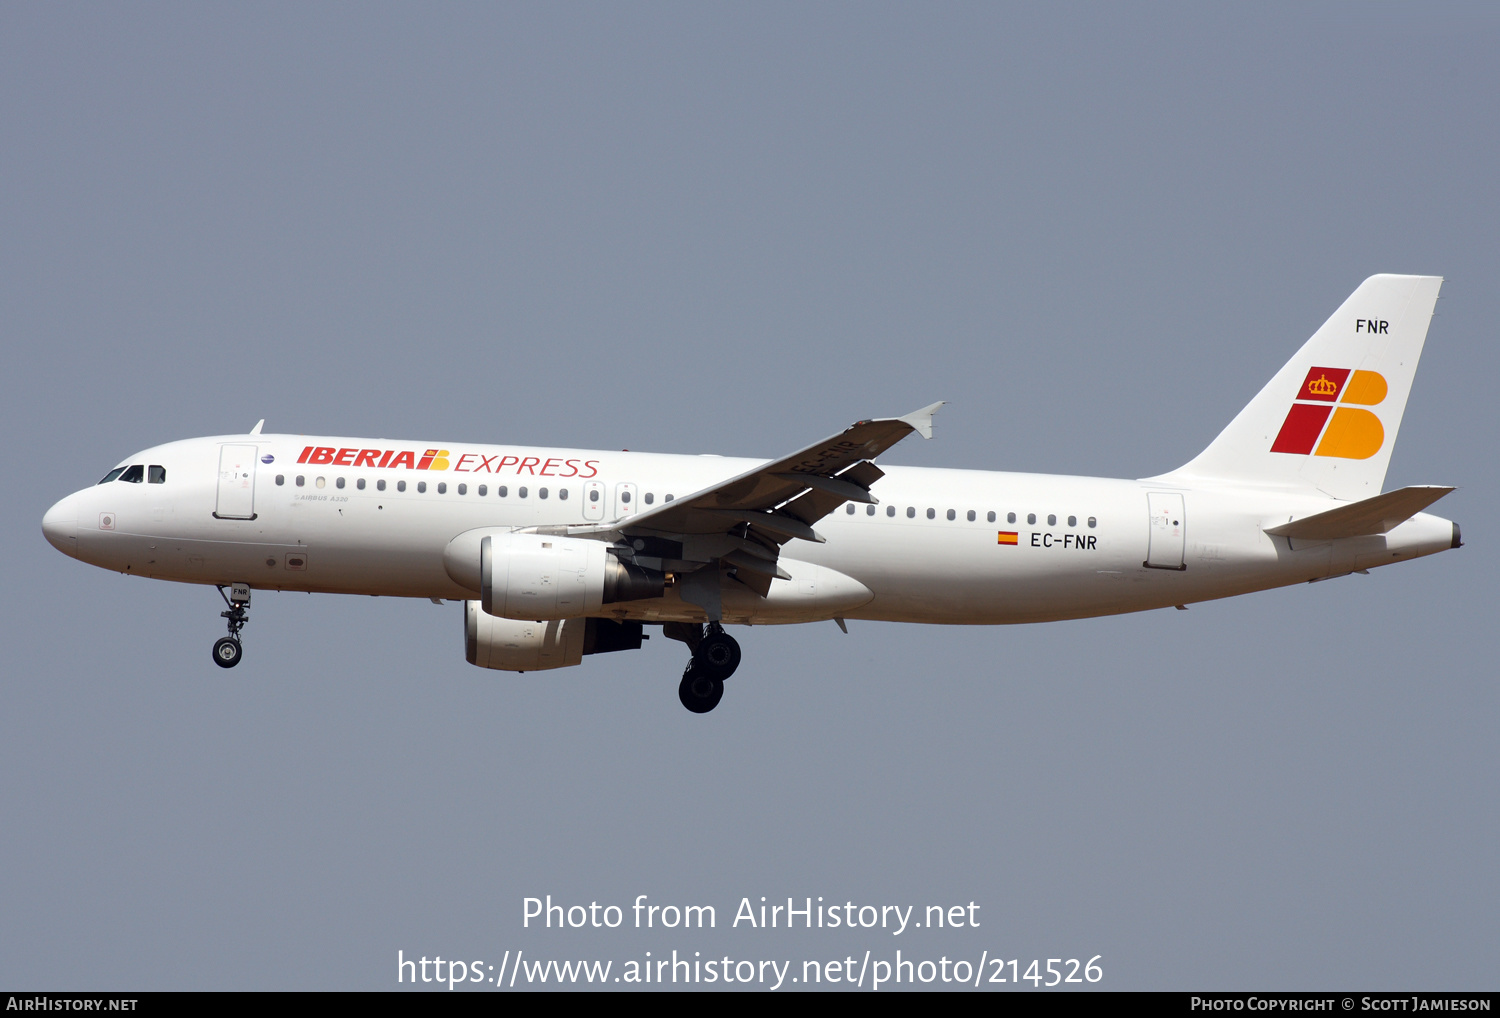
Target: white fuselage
x,y
935,549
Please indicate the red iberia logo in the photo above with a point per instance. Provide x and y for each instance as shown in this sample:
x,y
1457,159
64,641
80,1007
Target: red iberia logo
x,y
432,459
1315,425
438,459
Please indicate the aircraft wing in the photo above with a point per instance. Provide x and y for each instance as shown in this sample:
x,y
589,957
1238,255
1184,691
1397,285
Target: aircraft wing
x,y
743,521
783,498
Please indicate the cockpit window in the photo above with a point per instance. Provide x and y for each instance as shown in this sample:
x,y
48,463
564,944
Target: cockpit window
x,y
135,474
112,475
156,474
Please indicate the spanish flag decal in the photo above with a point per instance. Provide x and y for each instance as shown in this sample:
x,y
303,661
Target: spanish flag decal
x,y
1007,537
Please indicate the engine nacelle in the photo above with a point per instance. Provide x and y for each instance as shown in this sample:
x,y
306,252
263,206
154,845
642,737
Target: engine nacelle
x,y
527,576
516,646
538,576
513,645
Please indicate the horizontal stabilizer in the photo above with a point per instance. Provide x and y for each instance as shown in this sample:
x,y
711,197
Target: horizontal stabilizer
x,y
1378,515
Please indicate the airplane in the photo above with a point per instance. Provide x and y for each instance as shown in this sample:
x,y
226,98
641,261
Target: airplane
x,y
558,554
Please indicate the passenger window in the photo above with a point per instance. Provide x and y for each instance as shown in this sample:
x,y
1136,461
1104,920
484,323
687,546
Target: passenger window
x,y
400,485
321,482
502,491
338,482
360,484
562,494
442,487
668,498
1051,519
650,498
991,516
849,508
594,495
1010,517
1072,521
301,480
1031,518
890,510
484,489
463,489
541,493
1092,522
421,487
134,474
911,512
972,516
521,492
932,514
380,484
280,479
625,497
156,474
953,516
869,510
113,475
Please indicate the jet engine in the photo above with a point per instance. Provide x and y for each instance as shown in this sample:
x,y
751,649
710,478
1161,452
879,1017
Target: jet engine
x,y
517,646
542,577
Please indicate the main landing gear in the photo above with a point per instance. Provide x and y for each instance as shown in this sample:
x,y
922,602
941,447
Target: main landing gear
x,y
227,651
716,655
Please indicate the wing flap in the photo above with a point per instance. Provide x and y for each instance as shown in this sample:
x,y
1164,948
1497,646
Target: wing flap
x,y
844,490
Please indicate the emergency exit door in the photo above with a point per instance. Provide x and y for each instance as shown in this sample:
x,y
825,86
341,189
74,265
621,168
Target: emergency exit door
x,y
593,500
625,500
1168,536
236,483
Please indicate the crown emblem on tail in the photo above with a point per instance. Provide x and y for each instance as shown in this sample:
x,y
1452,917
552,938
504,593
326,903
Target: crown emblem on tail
x,y
1322,386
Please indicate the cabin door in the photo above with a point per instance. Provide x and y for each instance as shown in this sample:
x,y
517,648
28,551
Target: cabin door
x,y
236,483
1168,531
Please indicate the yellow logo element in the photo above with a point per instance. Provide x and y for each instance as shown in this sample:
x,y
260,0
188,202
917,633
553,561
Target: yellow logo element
x,y
433,459
1356,434
1352,435
1322,387
1345,432
1366,388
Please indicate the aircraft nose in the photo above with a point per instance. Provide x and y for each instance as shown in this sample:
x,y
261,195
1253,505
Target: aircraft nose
x,y
60,526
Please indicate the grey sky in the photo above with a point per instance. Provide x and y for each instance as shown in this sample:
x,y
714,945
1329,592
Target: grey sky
x,y
1097,230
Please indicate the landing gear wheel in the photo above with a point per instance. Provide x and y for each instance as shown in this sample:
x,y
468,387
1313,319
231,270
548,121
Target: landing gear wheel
x,y
699,693
227,652
717,654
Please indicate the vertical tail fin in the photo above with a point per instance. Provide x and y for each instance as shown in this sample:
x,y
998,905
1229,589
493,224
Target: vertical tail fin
x,y
1328,420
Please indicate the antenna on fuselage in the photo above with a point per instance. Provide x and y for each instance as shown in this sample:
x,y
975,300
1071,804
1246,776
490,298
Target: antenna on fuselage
x,y
258,425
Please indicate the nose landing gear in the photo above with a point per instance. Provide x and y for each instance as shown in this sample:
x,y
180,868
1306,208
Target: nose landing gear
x,y
716,655
227,651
